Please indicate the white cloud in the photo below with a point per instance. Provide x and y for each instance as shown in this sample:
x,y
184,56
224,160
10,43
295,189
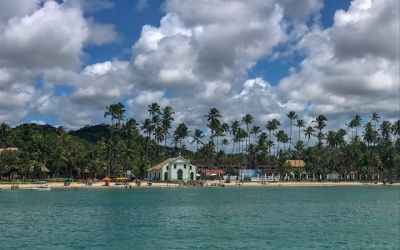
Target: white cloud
x,y
198,57
41,46
47,36
352,67
100,34
199,42
16,9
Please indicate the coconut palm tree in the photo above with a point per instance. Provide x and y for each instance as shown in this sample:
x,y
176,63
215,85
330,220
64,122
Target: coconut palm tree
x,y
385,129
369,134
181,133
255,130
116,112
233,131
213,117
375,118
340,137
320,121
308,132
396,129
281,136
331,139
166,121
356,122
271,127
247,119
292,116
197,135
300,124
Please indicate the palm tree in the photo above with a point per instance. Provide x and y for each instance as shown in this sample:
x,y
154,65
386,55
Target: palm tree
x,y
154,112
197,136
116,112
247,119
369,134
385,129
272,126
331,139
147,128
240,137
340,137
219,132
181,133
281,136
396,129
213,121
153,109
356,122
255,130
234,129
166,121
351,126
292,116
300,124
320,124
375,118
308,132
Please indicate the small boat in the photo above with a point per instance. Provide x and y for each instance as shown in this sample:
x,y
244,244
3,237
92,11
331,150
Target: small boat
x,y
42,186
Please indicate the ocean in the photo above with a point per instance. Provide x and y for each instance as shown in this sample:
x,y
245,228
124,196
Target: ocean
x,y
202,218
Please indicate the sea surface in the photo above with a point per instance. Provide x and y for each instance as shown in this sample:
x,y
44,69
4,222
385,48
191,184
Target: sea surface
x,y
202,218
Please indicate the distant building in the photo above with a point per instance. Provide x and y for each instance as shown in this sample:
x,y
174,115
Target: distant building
x,y
173,169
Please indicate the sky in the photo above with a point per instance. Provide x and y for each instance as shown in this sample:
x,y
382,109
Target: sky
x,y
63,62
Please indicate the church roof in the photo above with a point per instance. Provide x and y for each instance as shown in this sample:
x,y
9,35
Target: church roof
x,y
164,163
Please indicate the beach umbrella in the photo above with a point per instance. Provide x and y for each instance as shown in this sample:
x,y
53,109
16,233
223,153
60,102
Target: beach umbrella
x,y
106,178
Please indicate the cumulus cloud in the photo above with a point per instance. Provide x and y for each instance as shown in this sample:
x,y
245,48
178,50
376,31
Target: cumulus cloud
x,y
199,57
351,67
16,9
201,42
46,36
100,34
42,43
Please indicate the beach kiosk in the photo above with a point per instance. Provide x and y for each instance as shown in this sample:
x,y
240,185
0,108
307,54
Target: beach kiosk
x,y
106,181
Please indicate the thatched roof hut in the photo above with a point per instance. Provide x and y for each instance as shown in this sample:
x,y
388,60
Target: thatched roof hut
x,y
295,163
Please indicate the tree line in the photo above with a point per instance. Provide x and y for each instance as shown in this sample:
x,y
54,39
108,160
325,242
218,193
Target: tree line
x,y
370,150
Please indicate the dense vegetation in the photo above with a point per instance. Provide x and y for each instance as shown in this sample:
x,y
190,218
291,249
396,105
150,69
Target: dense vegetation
x,y
372,149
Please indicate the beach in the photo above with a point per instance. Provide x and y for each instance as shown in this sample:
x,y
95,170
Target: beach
x,y
100,184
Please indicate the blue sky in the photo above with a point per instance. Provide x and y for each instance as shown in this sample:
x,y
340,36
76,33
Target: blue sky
x,y
63,62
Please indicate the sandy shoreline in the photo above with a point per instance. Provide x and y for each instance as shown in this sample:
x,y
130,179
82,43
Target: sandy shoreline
x,y
79,185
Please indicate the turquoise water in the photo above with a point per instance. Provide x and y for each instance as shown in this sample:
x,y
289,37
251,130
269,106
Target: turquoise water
x,y
202,218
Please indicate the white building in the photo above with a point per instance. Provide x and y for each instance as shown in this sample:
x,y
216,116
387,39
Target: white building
x,y
173,169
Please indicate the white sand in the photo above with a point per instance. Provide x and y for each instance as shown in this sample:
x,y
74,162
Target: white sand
x,y
75,185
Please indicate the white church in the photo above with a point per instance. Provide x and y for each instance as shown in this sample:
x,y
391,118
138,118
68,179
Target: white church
x,y
173,169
